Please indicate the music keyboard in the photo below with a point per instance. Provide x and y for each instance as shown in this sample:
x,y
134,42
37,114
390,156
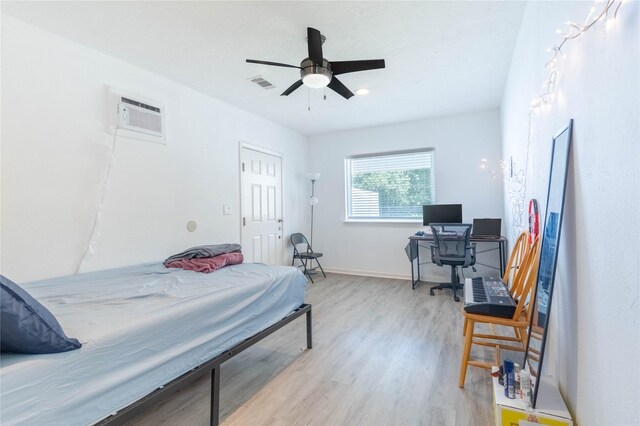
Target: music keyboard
x,y
488,296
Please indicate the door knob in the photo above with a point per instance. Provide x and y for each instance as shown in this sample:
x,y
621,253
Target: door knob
x,y
279,220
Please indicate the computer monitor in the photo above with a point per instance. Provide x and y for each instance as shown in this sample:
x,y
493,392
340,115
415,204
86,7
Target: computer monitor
x,y
441,213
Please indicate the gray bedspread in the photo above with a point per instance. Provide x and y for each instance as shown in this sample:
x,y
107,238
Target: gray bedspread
x,y
200,252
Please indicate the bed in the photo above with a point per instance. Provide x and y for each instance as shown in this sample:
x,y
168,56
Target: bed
x,y
144,329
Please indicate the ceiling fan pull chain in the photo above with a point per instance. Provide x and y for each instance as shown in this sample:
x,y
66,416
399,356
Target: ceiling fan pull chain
x,y
325,93
308,99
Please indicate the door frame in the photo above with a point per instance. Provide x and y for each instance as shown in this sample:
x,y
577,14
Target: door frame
x,y
246,145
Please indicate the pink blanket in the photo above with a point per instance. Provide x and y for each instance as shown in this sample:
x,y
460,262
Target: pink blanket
x,y
208,264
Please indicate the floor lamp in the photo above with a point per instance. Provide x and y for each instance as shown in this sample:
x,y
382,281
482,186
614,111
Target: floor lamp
x,y
313,200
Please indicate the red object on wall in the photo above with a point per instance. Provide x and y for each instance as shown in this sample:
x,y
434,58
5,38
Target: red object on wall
x,y
534,220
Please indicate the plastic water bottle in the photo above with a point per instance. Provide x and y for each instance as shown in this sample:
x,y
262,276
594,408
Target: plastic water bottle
x,y
525,386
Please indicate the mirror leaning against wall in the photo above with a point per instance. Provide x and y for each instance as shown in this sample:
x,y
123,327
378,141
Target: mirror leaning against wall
x,y
536,343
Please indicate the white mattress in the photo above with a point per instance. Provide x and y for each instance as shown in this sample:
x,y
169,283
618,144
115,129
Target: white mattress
x,y
140,327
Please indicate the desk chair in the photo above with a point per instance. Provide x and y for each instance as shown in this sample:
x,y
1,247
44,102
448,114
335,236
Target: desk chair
x,y
451,246
524,290
306,255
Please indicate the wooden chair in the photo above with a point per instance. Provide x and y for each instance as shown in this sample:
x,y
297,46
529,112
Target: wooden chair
x,y
524,287
518,254
514,275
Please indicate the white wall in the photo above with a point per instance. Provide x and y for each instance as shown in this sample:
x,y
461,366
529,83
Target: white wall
x,y
594,339
460,143
55,151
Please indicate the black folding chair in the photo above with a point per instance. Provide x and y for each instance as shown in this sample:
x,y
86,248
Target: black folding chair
x,y
302,250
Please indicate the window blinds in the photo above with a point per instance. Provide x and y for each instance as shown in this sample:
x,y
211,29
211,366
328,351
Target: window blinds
x,y
389,185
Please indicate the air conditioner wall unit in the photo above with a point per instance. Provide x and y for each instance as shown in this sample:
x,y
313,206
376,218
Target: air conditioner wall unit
x,y
136,116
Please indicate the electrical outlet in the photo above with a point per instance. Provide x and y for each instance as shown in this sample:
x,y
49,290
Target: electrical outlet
x,y
226,209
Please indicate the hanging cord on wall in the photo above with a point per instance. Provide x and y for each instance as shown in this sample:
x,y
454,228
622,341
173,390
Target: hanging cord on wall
x,y
96,222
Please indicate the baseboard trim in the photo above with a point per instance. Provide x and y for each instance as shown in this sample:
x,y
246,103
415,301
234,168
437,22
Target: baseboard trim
x,y
368,273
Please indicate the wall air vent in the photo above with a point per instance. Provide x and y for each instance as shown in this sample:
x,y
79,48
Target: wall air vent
x,y
262,82
136,117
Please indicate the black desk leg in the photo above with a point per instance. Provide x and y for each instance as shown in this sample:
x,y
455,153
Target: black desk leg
x,y
413,281
418,258
504,256
416,246
503,259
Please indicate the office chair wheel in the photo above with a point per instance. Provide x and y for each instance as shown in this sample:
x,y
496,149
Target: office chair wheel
x,y
456,298
431,293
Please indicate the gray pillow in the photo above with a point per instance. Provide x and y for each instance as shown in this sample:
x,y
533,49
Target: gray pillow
x,y
27,326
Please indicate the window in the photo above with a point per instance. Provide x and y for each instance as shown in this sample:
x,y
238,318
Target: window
x,y
389,186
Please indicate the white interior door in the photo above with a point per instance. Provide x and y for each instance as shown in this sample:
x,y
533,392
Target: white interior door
x,y
261,191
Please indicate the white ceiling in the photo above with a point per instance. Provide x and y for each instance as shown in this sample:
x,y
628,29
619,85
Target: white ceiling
x,y
442,57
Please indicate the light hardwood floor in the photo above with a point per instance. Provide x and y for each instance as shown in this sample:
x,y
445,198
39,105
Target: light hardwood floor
x,y
383,355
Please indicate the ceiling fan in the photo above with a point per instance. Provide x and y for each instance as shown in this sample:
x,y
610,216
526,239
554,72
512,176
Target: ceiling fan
x,y
317,72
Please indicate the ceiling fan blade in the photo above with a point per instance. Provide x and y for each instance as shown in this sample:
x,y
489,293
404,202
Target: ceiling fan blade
x,y
275,64
343,67
314,41
339,88
291,88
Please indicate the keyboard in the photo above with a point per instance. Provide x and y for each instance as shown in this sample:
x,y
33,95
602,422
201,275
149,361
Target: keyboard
x,y
488,296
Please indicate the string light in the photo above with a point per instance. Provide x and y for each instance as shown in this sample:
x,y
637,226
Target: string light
x,y
574,31
516,179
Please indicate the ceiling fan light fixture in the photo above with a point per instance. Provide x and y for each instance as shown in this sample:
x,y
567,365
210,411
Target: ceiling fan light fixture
x,y
316,81
362,91
315,75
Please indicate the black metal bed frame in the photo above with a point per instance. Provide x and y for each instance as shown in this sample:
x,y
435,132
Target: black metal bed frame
x,y
213,366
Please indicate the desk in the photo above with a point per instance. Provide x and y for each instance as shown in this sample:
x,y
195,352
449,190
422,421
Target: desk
x,y
414,243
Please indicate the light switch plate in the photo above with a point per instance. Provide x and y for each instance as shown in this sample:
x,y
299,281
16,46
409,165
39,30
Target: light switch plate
x,y
226,209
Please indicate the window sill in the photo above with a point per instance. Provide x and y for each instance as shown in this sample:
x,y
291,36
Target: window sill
x,y
409,222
